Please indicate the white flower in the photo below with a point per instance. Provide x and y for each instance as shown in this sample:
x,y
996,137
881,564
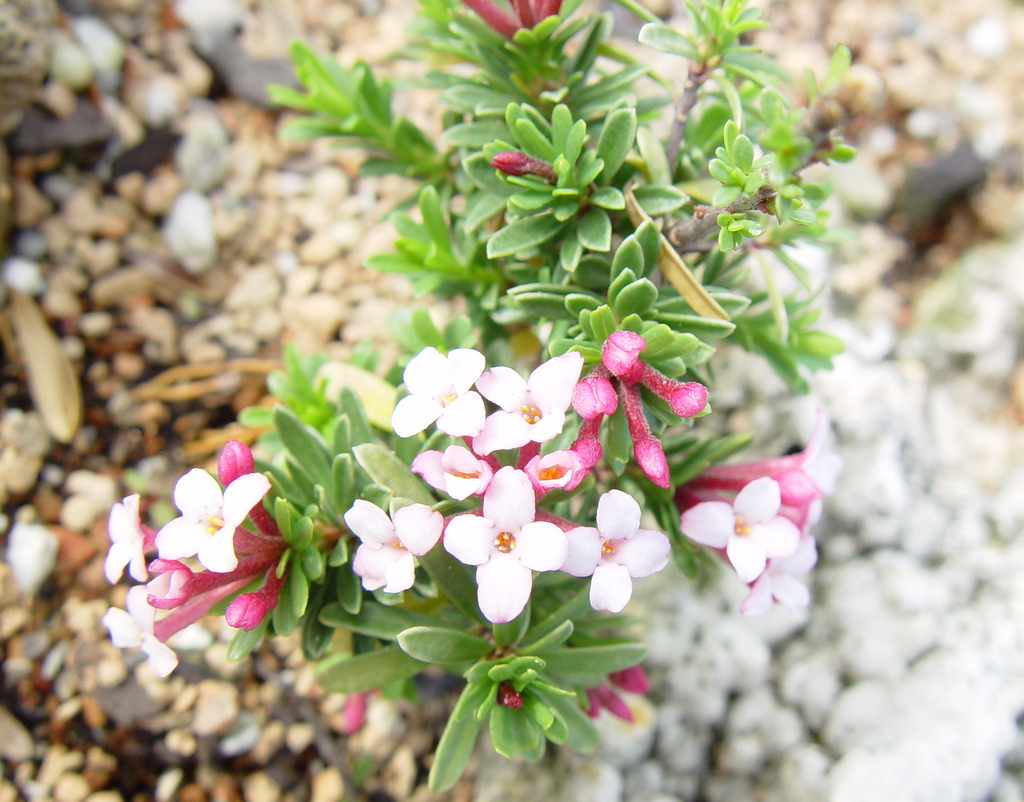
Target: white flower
x,y
532,409
385,558
458,471
617,550
506,544
127,542
750,530
779,581
206,528
133,629
439,392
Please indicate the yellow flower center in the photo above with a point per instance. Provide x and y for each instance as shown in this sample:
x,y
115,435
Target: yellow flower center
x,y
550,474
214,523
740,527
505,542
607,548
447,399
531,414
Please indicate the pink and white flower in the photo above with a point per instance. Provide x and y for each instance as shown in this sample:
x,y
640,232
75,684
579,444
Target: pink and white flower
x,y
559,470
172,586
133,629
751,530
532,410
457,471
127,542
506,544
209,518
439,393
779,581
385,557
615,552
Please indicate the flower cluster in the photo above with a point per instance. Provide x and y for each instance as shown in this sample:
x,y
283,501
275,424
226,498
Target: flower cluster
x,y
620,376
209,534
524,13
764,531
506,540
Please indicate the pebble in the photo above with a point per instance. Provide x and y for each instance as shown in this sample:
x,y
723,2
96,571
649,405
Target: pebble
x,y
104,47
216,708
23,275
201,157
327,786
260,787
70,64
242,737
71,787
162,100
988,37
623,743
16,744
188,232
32,554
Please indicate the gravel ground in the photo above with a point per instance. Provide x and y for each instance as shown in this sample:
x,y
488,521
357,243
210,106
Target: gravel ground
x,y
173,241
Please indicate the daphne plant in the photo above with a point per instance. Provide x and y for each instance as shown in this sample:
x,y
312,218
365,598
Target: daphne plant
x,y
487,503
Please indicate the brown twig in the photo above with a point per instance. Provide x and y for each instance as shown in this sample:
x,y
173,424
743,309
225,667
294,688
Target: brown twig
x,y
695,78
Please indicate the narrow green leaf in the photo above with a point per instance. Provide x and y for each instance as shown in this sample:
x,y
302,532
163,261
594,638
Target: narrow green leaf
x,y
304,444
454,580
364,672
653,154
453,752
616,139
660,37
438,645
522,235
244,642
636,298
593,659
374,619
387,470
595,231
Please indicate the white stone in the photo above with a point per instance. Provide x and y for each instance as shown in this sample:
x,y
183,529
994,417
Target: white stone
x,y
201,156
210,21
988,37
162,100
23,275
104,48
188,232
623,743
70,64
593,781
31,554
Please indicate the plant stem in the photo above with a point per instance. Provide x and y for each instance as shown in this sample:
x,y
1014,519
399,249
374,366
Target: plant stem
x,y
695,78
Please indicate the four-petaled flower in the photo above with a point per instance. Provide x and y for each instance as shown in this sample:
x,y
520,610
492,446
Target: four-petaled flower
x,y
439,392
779,581
458,471
127,542
133,629
506,545
532,410
750,529
209,518
561,470
385,557
617,550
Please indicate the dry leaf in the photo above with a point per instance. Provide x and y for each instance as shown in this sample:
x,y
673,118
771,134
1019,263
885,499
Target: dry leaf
x,y
52,382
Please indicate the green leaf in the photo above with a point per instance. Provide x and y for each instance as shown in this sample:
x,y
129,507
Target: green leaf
x,y
660,200
454,580
453,751
616,139
350,590
364,672
474,134
653,154
509,633
635,298
244,642
438,645
609,198
593,659
389,471
298,590
595,231
582,734
522,235
550,640
374,619
659,36
305,445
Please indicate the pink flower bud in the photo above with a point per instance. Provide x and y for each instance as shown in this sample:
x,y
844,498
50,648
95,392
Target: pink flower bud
x,y
603,696
235,460
797,488
620,355
632,679
594,396
512,162
247,611
354,712
508,697
589,452
651,459
688,399
172,586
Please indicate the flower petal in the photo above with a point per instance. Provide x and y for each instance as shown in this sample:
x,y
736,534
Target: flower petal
x,y
710,522
801,561
418,528
541,546
217,554
401,574
413,414
369,523
759,600
778,537
790,591
510,502
552,382
125,633
503,588
747,557
611,587
502,430
428,465
162,658
181,538
618,515
549,426
504,387
372,564
465,365
759,501
242,495
198,496
469,539
428,374
463,417
584,551
645,553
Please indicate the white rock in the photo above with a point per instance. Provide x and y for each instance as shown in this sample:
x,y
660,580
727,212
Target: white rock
x,y
812,685
23,275
856,713
201,157
625,744
593,781
988,37
162,100
188,232
70,64
210,21
31,554
104,48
